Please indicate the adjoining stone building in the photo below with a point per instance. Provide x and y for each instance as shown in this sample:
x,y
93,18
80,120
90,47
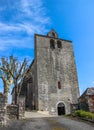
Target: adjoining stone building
x,y
53,84
86,100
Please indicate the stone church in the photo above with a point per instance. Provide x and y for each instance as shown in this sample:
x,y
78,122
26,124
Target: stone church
x,y
52,84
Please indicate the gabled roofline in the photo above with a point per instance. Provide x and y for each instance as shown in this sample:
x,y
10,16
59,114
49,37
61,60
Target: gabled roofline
x,y
85,91
52,37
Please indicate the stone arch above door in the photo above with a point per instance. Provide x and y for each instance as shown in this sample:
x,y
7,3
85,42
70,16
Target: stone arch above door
x,y
61,108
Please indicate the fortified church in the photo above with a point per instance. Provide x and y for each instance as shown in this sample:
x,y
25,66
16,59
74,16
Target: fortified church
x,y
52,84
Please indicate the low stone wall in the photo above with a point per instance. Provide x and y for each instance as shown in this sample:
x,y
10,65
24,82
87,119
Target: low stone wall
x,y
16,111
21,109
12,111
3,110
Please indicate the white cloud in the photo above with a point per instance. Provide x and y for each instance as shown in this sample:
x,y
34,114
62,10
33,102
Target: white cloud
x,y
32,7
9,27
30,18
25,27
19,43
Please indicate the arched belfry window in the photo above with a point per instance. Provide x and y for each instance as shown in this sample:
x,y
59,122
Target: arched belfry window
x,y
53,34
59,44
52,44
59,85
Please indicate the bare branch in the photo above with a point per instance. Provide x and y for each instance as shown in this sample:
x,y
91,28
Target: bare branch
x,y
11,71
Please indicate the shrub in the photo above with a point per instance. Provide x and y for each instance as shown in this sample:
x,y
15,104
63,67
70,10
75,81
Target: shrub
x,y
84,114
78,113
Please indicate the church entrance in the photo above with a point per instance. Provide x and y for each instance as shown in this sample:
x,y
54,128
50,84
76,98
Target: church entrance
x,y
61,109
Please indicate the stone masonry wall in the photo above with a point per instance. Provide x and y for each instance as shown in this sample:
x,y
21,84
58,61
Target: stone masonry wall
x,y
12,111
3,111
21,107
16,111
53,66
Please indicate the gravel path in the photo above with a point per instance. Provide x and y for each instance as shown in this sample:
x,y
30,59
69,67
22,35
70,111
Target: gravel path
x,y
38,114
48,123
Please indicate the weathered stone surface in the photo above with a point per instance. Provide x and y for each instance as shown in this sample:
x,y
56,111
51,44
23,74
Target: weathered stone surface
x,y
21,107
3,110
53,74
53,66
12,111
16,111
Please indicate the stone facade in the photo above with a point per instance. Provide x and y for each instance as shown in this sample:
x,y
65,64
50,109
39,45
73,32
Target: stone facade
x,y
21,107
3,110
12,111
86,100
16,111
54,77
55,67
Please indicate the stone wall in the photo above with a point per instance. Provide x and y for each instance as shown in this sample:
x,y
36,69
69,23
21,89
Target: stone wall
x,y
52,68
55,66
12,111
21,107
16,111
3,111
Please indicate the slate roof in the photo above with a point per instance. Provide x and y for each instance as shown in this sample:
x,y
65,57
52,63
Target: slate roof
x,y
88,91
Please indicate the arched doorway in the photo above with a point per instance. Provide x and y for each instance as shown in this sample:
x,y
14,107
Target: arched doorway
x,y
61,109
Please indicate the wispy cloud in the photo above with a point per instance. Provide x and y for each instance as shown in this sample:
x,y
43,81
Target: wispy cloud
x,y
7,43
9,27
24,17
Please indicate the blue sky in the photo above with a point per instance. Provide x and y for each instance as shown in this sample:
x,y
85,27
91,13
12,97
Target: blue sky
x,y
72,19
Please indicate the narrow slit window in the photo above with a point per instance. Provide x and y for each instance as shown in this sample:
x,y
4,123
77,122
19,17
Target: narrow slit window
x,y
59,85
